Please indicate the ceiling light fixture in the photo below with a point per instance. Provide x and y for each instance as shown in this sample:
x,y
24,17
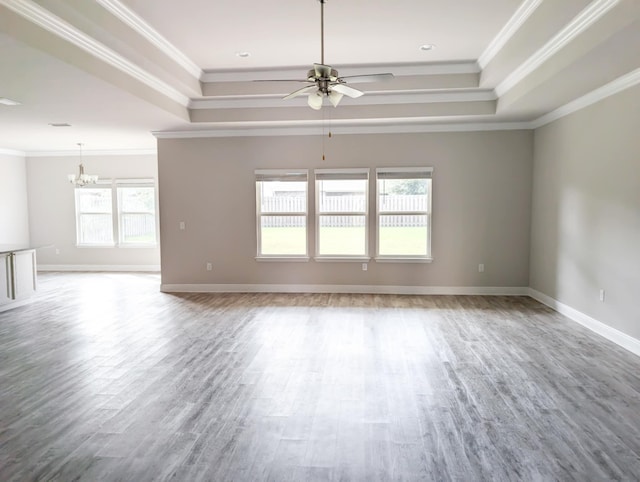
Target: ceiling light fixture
x,y
5,101
243,55
82,179
324,80
59,124
427,47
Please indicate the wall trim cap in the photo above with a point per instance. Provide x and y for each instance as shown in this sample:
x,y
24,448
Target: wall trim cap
x,y
12,152
372,98
316,129
520,16
616,336
362,289
399,70
614,87
579,24
100,267
52,23
128,16
97,152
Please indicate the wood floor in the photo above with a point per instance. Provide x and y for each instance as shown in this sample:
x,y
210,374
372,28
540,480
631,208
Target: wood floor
x,y
106,378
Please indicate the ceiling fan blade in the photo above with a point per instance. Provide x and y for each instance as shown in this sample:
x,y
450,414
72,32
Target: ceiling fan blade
x,y
315,101
353,79
323,71
335,97
280,80
346,90
304,90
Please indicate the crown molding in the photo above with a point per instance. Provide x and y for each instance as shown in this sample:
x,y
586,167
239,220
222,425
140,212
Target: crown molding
x,y
315,128
372,98
128,16
45,19
297,72
510,28
12,152
93,153
579,24
621,83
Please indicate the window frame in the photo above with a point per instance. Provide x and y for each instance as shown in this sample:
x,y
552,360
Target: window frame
x,y
398,258
347,172
128,183
101,184
116,220
283,175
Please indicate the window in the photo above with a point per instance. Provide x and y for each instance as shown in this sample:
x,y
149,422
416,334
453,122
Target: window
x,y
281,213
404,213
94,215
136,213
341,213
122,210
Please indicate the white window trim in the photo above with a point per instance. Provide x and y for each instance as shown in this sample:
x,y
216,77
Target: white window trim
x,y
101,184
113,184
333,257
275,174
427,258
136,183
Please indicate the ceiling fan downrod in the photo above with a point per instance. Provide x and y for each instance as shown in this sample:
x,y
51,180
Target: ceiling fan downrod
x,y
322,2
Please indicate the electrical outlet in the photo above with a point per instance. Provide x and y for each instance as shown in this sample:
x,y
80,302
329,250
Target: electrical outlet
x,y
481,268
209,266
364,267
602,295
57,251
182,226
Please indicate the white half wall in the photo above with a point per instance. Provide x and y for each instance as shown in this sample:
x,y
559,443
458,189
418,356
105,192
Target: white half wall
x,y
14,212
586,212
52,211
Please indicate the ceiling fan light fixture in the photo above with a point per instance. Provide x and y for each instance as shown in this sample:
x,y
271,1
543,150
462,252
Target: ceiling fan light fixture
x,y
315,100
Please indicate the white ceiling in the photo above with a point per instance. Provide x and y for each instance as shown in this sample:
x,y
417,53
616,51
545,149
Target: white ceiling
x,y
116,70
287,32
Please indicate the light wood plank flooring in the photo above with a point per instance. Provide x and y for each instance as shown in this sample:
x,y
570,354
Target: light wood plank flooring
x,y
105,378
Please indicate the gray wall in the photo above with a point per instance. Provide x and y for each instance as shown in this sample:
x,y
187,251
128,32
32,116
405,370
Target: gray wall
x,y
52,209
586,211
481,207
14,213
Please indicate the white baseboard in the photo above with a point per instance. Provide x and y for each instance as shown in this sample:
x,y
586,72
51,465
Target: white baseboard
x,y
99,267
364,289
619,338
15,304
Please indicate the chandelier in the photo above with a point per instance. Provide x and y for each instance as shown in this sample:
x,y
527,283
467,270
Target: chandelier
x,y
81,179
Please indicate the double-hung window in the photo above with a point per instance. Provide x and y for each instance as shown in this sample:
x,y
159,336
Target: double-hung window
x,y
136,212
117,213
281,213
404,214
94,215
342,201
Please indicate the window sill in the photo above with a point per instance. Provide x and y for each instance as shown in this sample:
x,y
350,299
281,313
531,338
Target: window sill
x,y
96,246
285,259
402,259
342,259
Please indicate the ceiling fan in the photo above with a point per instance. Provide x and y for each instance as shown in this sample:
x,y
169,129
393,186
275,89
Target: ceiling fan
x,y
325,81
